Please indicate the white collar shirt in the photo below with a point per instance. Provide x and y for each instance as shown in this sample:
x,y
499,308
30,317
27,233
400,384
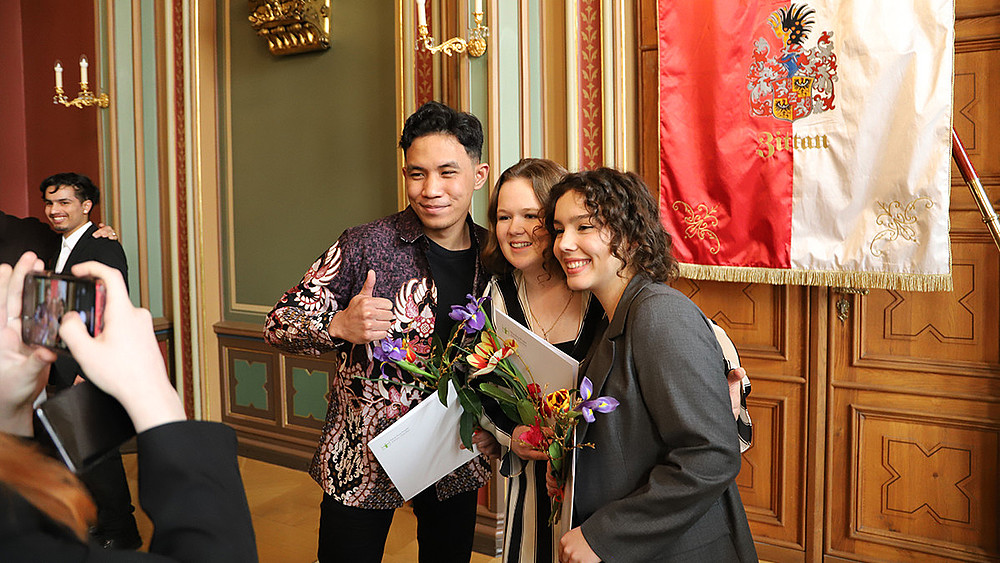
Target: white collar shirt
x,y
68,244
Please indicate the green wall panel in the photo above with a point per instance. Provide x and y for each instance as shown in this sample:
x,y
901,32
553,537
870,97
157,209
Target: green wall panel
x,y
310,388
250,378
312,149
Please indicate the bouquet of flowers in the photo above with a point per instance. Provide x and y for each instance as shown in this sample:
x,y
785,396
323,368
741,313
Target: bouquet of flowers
x,y
487,370
433,373
551,417
551,420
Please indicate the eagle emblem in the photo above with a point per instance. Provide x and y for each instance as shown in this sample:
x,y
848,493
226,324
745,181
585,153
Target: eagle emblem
x,y
793,82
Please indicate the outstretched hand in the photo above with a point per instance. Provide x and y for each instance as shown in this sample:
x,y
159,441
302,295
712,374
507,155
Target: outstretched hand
x,y
366,319
124,360
24,370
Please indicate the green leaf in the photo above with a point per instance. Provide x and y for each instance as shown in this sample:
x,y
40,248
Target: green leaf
x,y
437,350
510,409
412,368
443,389
527,411
470,402
465,424
556,455
498,393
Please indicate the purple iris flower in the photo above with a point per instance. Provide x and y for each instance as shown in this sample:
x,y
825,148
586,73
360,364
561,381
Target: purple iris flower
x,y
389,350
472,313
601,404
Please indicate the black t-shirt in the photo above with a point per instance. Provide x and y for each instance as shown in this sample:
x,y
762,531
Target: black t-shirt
x,y
454,272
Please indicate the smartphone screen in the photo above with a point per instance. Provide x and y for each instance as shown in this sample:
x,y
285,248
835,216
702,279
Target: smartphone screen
x,y
48,296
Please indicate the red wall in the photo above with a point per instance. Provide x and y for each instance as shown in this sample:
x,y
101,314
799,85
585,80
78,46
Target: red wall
x,y
39,138
13,150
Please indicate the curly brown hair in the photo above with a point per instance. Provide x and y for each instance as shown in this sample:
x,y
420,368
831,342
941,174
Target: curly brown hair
x,y
542,174
621,203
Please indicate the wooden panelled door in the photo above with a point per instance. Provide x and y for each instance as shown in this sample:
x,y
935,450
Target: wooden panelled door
x,y
876,416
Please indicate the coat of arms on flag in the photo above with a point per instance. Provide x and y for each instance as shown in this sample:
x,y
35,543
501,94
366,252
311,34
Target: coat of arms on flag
x,y
810,143
786,78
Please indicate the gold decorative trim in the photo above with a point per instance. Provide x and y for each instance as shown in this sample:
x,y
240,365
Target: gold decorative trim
x,y
775,276
139,145
292,26
524,71
700,220
898,222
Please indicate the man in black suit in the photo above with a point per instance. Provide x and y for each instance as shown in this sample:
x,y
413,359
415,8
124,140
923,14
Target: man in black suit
x,y
69,199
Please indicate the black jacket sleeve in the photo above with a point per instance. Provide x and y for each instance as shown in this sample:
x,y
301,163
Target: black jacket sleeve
x,y
191,488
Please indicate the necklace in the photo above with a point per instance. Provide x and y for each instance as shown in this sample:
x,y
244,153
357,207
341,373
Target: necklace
x,y
545,333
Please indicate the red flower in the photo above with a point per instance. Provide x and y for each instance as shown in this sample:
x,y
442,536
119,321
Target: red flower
x,y
533,436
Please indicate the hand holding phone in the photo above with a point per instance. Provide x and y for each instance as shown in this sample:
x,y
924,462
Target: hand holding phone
x,y
124,360
48,296
23,369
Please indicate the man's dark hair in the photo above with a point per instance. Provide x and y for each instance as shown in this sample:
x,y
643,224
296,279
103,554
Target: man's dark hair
x,y
435,117
84,188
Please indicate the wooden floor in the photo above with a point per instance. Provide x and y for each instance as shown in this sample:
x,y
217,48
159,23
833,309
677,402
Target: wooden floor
x,y
284,504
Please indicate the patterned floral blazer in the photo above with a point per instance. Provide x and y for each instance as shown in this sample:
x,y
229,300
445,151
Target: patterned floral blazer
x,y
396,249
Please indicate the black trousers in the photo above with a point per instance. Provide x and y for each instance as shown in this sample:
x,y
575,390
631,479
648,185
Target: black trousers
x,y
445,529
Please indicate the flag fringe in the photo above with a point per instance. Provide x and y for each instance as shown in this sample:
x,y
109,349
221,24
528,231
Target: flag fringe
x,y
859,280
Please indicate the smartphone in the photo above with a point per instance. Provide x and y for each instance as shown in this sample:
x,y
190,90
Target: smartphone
x,y
48,296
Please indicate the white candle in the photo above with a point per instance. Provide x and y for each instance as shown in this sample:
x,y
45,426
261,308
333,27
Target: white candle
x,y
83,68
421,13
58,74
479,7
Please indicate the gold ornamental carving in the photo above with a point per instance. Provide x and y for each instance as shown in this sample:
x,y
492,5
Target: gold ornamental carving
x,y
699,222
292,26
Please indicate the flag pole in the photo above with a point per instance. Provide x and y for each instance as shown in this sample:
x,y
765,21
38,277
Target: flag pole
x,y
975,186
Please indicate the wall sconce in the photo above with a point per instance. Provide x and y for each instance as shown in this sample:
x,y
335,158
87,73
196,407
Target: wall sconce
x,y
85,97
476,45
292,26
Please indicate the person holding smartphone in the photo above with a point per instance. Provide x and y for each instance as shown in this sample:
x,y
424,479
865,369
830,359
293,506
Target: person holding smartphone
x,y
190,483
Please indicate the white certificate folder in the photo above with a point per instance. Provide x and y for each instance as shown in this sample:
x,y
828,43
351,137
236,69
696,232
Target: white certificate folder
x,y
422,446
552,369
548,366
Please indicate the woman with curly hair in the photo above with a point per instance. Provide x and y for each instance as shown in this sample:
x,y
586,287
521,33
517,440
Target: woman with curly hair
x,y
659,483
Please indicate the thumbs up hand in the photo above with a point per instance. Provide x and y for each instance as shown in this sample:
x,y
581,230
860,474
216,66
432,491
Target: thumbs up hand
x,y
366,319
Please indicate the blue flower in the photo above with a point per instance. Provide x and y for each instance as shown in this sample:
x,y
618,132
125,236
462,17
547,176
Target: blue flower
x,y
588,406
471,314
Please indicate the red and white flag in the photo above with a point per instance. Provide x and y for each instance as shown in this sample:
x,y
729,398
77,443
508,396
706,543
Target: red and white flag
x,y
808,142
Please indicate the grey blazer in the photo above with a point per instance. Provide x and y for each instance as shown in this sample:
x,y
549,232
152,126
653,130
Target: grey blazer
x,y
659,483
